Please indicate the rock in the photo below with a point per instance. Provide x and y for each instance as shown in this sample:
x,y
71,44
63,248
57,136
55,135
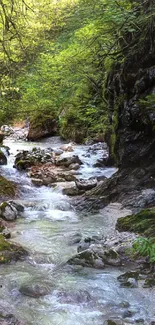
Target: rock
x,y
140,321
129,279
95,255
7,188
6,129
86,185
79,297
26,159
3,158
36,181
67,147
74,167
42,128
67,161
149,282
114,321
35,288
58,152
87,258
48,175
9,319
8,211
84,244
124,304
75,239
6,233
10,252
130,283
18,206
72,191
142,222
128,314
97,146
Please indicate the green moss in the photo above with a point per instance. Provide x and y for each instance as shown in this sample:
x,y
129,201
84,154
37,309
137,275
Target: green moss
x,y
3,205
142,223
7,188
9,251
4,245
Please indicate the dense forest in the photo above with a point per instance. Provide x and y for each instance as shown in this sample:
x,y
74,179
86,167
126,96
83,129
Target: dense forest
x,y
56,58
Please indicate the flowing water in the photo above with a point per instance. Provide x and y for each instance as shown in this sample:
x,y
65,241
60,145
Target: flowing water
x,y
79,296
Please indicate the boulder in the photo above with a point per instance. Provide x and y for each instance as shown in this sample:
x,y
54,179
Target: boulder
x,y
86,185
129,279
72,191
58,151
26,159
42,128
8,212
74,166
67,147
96,256
17,205
10,252
67,161
35,288
71,297
48,174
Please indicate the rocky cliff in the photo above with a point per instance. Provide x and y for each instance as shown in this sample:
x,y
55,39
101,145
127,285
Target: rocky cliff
x,y
130,93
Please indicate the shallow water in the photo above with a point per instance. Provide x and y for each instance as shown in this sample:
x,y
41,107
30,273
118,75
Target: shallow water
x,y
79,296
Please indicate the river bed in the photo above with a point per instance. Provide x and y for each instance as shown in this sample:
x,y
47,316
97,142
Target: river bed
x,y
79,296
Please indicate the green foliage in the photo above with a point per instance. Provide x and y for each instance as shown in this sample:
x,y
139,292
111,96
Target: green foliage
x,y
148,103
145,247
55,57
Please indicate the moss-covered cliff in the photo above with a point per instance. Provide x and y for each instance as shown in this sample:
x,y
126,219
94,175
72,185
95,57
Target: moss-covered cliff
x,y
130,91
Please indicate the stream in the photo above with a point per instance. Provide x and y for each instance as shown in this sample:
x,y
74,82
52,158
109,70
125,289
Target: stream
x,y
79,296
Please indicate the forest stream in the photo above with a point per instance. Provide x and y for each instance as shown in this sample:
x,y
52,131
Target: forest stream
x,y
77,295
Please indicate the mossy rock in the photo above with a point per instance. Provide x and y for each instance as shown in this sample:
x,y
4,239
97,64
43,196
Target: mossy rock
x,y
142,223
7,188
3,159
24,164
9,251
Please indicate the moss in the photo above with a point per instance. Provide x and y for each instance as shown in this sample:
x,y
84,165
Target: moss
x,y
9,251
4,245
142,223
3,206
7,188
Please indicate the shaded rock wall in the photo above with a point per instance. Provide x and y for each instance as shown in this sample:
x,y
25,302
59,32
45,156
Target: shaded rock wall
x,y
132,124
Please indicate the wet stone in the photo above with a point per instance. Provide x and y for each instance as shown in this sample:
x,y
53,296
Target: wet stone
x,y
35,289
114,322
81,296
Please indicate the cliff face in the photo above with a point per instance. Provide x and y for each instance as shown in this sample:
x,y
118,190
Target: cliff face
x,y
131,96
130,92
134,143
